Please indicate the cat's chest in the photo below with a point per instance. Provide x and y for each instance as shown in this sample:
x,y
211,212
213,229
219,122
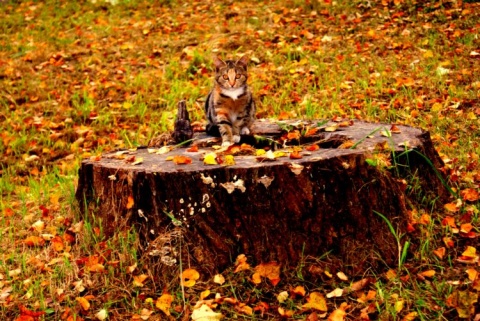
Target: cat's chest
x,y
235,101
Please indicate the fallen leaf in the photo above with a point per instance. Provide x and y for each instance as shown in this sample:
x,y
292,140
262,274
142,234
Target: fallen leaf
x,y
472,274
101,315
299,290
451,207
335,293
164,302
241,263
470,194
182,160
342,276
130,202
34,241
210,159
270,271
204,313
219,279
282,296
193,149
83,303
316,301
339,314
190,277
440,252
428,273
139,279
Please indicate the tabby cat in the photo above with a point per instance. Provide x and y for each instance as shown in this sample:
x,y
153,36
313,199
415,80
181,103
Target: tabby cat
x,y
230,107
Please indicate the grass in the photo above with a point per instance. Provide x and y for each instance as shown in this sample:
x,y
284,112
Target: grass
x,y
82,78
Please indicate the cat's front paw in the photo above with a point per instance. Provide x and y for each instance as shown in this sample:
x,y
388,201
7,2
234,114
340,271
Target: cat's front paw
x,y
236,138
245,131
227,143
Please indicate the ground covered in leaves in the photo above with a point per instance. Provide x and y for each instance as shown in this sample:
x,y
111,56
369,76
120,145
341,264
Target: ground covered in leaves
x,y
81,78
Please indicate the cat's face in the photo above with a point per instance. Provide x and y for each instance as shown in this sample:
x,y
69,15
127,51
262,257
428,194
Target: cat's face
x,y
231,74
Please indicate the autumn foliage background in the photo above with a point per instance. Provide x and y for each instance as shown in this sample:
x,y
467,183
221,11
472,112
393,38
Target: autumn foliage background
x,y
81,78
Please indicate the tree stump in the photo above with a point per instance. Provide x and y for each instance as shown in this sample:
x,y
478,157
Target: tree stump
x,y
267,207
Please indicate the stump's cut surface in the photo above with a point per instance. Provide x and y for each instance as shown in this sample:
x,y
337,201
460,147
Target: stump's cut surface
x,y
271,210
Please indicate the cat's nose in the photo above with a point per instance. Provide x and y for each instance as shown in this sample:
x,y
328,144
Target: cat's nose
x,y
232,82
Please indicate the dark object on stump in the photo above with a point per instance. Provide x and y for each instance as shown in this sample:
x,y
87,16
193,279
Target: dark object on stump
x,y
281,210
182,131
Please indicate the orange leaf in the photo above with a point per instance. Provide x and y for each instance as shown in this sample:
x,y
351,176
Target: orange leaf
x,y
312,148
130,202
470,194
269,270
189,277
339,313
299,290
293,135
428,273
440,252
449,221
182,160
241,263
295,155
57,244
451,207
472,274
465,228
83,303
193,149
34,241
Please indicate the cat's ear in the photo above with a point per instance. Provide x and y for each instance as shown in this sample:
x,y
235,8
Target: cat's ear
x,y
243,61
219,63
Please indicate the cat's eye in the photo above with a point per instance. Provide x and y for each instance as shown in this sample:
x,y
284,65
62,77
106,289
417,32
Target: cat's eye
x,y
238,76
225,77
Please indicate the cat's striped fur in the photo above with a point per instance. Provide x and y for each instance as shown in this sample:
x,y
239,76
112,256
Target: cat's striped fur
x,y
230,107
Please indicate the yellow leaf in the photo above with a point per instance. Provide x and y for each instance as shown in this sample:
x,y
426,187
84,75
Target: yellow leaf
x,y
470,252
316,301
282,296
209,159
342,276
164,302
229,160
245,309
204,313
428,54
139,279
219,279
204,294
190,277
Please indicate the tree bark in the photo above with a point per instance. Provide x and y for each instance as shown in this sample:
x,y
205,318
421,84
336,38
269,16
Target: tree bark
x,y
282,210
